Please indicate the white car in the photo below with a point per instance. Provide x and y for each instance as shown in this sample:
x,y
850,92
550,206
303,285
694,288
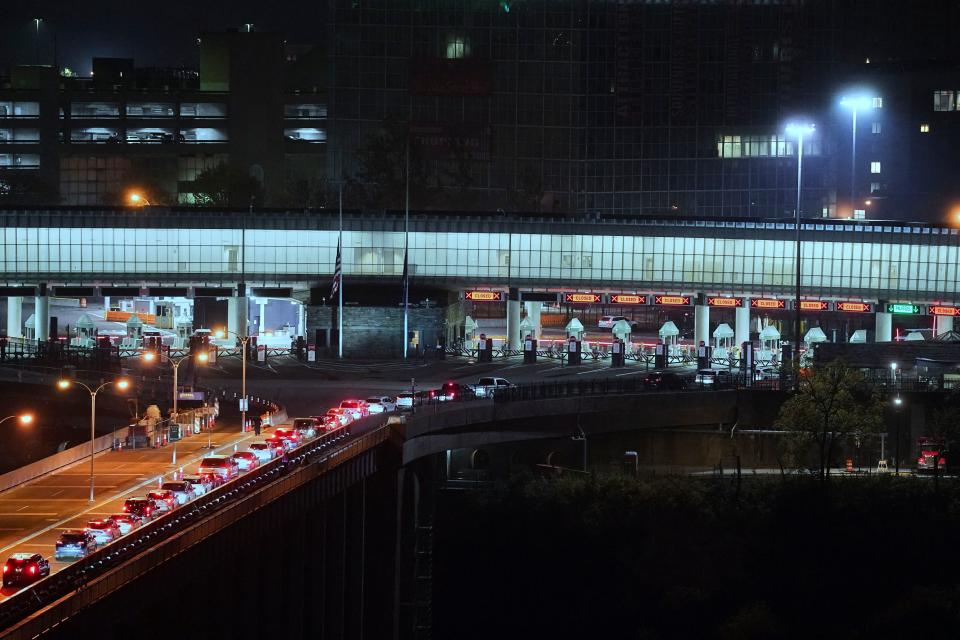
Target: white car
x,y
345,416
262,450
182,491
607,322
486,386
381,404
766,373
713,376
199,485
358,408
405,400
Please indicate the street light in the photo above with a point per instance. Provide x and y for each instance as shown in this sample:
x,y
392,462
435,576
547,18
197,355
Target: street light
x,y
854,104
64,384
25,419
150,356
897,405
220,334
800,130
137,199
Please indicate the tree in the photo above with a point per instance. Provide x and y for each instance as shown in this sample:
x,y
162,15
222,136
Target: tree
x,y
226,185
833,402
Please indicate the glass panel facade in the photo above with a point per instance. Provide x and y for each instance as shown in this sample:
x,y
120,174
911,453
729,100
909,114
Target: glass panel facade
x,y
19,136
151,110
19,109
896,265
203,110
19,160
94,109
201,135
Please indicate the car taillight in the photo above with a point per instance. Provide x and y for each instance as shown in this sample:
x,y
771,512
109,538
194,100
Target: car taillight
x,y
33,569
126,508
452,395
149,510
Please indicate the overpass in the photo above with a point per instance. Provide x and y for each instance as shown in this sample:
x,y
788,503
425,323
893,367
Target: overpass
x,y
855,267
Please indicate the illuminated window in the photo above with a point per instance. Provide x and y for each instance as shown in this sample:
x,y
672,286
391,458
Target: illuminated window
x,y
943,101
875,127
19,109
874,167
877,102
458,47
758,146
924,128
874,187
859,214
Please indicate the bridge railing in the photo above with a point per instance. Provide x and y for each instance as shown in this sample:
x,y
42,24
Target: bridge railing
x,y
605,386
125,560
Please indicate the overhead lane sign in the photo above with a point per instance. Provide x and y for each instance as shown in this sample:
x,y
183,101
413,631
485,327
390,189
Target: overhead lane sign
x,y
767,303
483,296
814,305
944,310
581,298
672,301
725,302
627,298
854,307
903,309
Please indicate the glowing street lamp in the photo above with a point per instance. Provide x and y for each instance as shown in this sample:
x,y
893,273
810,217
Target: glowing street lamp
x,y
137,199
855,103
64,384
25,419
798,130
151,356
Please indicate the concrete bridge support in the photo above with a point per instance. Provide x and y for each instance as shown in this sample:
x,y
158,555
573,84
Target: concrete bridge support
x,y
701,321
41,314
741,327
943,325
884,328
15,317
513,318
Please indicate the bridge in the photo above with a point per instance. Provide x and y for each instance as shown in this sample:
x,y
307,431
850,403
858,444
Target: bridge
x,y
858,268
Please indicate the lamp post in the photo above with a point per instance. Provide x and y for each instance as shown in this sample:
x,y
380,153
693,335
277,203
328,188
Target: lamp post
x,y
25,419
137,199
222,333
150,356
897,406
855,104
799,130
64,384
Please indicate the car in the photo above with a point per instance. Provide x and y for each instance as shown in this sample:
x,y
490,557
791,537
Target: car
x,y
607,322
381,404
223,466
451,391
23,568
246,460
127,522
307,427
766,373
182,491
358,407
290,434
215,479
164,498
406,401
330,423
73,544
342,415
281,443
716,377
103,530
486,386
198,484
141,506
663,380
265,452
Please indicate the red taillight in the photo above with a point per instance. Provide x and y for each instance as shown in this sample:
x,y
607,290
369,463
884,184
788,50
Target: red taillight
x,y
149,510
452,395
432,394
126,508
33,569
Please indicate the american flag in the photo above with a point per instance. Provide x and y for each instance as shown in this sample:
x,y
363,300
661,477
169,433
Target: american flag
x,y
337,274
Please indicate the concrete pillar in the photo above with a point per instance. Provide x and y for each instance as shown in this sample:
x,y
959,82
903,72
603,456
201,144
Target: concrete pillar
x,y
513,318
301,319
237,315
701,321
533,314
884,328
15,317
741,323
41,315
943,325
106,304
262,325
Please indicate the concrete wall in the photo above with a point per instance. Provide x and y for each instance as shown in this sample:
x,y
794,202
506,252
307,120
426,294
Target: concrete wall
x,y
378,331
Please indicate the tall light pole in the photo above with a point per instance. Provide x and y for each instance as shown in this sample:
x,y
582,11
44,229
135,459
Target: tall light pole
x,y
64,384
897,406
800,130
150,356
36,23
855,104
222,333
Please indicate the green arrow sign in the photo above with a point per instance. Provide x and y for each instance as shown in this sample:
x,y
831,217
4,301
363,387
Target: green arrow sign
x,y
904,309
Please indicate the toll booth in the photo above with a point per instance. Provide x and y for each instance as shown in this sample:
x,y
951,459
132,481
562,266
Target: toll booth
x,y
660,355
529,349
617,353
703,355
484,349
574,354
670,338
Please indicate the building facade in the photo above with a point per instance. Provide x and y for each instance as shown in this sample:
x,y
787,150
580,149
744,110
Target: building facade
x,y
255,106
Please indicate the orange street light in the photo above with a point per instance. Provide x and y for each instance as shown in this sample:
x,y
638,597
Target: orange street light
x,y
24,419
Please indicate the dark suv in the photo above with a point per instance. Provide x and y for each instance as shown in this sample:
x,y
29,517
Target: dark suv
x,y
74,543
665,381
22,568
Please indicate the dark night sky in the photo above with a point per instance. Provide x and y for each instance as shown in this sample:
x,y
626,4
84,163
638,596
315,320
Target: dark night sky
x,y
154,33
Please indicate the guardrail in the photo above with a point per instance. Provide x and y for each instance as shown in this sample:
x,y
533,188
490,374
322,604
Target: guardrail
x,y
126,559
604,386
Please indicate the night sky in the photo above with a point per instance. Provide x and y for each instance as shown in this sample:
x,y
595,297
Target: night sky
x,y
153,33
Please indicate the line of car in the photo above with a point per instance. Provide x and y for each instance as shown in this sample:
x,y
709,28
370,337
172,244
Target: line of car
x,y
213,471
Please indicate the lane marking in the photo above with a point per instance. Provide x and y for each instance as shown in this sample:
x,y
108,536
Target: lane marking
x,y
26,506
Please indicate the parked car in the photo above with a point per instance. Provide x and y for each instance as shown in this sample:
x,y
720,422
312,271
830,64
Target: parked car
x,y
381,404
307,427
165,499
141,506
24,568
607,322
198,484
103,530
73,544
223,466
126,522
486,386
357,407
246,460
717,377
265,452
182,491
666,381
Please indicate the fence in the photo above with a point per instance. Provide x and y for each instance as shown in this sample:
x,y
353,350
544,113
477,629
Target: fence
x,y
605,386
140,551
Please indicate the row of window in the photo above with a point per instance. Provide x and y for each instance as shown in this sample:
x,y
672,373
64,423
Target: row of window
x,y
19,160
293,111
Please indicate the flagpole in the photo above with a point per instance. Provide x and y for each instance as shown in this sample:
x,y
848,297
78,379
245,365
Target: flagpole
x,y
406,249
340,283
